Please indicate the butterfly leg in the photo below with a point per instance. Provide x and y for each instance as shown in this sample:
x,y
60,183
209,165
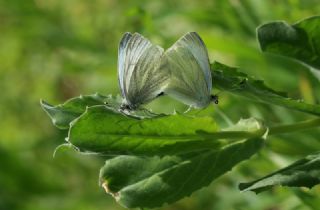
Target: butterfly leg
x,y
190,107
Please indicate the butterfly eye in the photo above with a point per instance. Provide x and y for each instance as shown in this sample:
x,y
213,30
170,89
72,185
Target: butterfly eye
x,y
215,99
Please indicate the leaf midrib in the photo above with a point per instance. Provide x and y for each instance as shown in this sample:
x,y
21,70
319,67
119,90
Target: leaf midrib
x,y
217,135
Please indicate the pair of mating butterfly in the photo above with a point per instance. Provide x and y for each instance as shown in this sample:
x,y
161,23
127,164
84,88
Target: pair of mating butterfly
x,y
145,71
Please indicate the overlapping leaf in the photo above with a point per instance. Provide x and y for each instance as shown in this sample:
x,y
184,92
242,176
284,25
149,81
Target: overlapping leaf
x,y
152,181
302,173
299,41
62,114
231,80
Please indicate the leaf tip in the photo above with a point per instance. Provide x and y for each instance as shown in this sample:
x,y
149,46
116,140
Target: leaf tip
x,y
242,187
45,105
49,109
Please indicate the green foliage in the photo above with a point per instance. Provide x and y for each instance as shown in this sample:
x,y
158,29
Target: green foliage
x,y
108,130
153,152
105,131
299,41
62,115
230,79
152,181
302,173
57,50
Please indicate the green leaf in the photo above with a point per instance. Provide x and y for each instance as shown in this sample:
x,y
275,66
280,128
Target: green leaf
x,y
102,130
230,79
302,173
62,114
300,41
153,181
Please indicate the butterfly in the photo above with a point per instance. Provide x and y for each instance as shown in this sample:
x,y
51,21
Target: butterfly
x,y
141,75
189,68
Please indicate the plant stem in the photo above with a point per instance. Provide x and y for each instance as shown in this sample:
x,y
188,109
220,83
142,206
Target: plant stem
x,y
295,127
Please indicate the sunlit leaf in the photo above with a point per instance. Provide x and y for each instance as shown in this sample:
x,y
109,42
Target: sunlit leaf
x,y
106,131
62,114
153,181
303,173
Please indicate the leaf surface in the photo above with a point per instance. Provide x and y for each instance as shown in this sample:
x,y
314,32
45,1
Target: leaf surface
x,y
106,131
153,181
62,114
232,80
300,41
302,173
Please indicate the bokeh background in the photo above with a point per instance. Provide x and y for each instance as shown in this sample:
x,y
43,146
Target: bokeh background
x,y
54,50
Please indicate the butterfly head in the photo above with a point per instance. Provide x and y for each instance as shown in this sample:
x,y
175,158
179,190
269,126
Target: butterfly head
x,y
215,99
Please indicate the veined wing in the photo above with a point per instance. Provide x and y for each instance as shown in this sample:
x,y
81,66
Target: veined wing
x,y
190,72
140,77
122,59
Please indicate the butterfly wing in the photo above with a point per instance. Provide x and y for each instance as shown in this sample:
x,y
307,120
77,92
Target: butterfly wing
x,y
190,74
122,60
141,77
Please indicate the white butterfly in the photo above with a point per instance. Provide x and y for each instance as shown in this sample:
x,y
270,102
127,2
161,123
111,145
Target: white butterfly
x,y
141,76
190,75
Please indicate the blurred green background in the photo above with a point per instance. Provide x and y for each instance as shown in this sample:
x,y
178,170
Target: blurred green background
x,y
55,50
